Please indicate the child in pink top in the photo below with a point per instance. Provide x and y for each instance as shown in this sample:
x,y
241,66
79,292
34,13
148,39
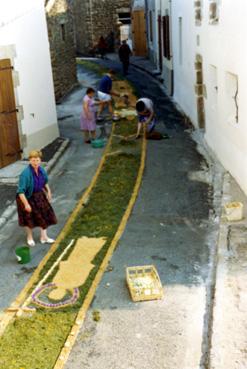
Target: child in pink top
x,y
88,116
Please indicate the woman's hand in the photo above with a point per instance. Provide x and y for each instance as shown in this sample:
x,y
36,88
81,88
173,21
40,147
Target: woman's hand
x,y
49,197
47,191
28,208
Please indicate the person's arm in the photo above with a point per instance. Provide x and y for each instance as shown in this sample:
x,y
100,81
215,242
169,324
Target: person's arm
x,y
25,202
86,109
48,192
114,93
120,54
22,187
149,118
139,125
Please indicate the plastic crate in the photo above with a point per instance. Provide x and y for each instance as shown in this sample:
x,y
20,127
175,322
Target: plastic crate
x,y
144,283
234,211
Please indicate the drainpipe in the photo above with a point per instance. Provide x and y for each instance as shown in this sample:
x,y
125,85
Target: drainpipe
x,y
171,46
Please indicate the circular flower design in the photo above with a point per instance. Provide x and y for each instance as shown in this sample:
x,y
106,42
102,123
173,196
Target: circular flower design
x,y
70,301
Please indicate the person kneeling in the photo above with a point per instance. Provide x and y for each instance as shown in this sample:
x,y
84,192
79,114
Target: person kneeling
x,y
147,120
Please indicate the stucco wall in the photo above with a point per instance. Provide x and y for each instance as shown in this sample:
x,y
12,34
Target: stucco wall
x,y
223,47
224,56
23,37
154,9
184,51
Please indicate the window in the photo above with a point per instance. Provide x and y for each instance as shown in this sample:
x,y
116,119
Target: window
x,y
213,11
198,11
63,31
166,37
180,40
124,18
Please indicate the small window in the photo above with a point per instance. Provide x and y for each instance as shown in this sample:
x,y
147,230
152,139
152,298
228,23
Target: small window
x,y
213,11
124,18
63,31
198,11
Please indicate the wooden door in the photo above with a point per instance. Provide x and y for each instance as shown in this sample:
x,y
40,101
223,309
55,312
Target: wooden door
x,y
9,136
166,37
139,33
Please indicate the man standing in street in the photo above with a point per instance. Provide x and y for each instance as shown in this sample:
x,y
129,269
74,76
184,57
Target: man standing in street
x,y
124,53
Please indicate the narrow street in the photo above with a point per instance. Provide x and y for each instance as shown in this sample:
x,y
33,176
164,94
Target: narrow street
x,y
134,185
170,227
173,227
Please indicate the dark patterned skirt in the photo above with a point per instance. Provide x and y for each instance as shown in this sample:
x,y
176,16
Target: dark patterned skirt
x,y
42,214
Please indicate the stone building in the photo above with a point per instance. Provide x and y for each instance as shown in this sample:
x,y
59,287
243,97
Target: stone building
x,y
95,18
62,45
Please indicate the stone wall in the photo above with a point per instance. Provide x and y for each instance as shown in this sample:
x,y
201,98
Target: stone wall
x,y
95,18
62,46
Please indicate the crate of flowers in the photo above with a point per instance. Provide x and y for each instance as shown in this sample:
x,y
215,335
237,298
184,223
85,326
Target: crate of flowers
x,y
144,283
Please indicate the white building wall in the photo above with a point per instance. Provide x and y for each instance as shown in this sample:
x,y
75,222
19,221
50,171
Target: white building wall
x,y
24,38
167,64
152,8
224,57
224,51
184,49
159,8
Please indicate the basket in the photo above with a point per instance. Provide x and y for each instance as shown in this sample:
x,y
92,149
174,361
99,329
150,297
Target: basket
x,y
234,211
144,283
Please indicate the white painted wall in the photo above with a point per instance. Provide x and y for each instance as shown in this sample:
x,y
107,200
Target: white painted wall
x,y
152,8
138,4
23,25
159,7
184,51
222,46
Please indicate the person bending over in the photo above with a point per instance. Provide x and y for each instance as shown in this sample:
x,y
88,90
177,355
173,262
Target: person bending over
x,y
105,93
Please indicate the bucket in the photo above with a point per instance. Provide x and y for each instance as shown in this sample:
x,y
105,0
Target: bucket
x,y
98,143
23,254
234,211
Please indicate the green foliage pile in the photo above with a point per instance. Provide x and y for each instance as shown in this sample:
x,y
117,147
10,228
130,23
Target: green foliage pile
x,y
34,342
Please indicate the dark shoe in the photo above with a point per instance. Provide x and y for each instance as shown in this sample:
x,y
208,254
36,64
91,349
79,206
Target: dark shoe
x,y
87,141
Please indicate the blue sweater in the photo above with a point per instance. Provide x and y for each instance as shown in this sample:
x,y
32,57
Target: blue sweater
x,y
105,85
26,182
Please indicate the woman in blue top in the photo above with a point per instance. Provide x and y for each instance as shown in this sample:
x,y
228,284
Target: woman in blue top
x,y
105,93
33,200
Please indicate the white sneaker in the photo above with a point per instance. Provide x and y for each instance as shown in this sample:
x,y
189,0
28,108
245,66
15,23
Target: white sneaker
x,y
47,240
31,243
